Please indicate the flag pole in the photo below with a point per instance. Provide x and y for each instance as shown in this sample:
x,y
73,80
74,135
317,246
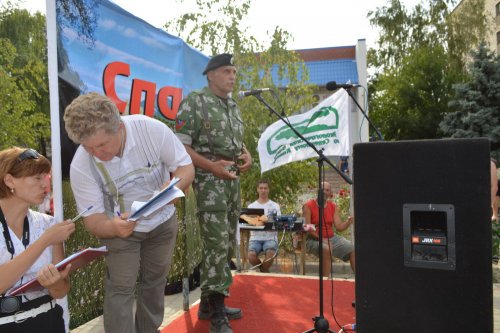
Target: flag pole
x,y
54,127
54,109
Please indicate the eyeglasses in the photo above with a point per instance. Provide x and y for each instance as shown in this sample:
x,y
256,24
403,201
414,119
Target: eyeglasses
x,y
28,154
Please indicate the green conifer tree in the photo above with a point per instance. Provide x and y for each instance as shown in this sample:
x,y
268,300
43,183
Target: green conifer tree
x,y
476,103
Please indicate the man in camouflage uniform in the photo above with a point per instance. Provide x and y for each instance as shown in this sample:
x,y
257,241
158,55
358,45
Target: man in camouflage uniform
x,y
210,126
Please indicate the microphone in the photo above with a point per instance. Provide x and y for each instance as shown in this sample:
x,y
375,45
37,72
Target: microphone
x,y
252,92
332,85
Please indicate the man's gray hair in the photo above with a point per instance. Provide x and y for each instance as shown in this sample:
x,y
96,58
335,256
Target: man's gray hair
x,y
88,114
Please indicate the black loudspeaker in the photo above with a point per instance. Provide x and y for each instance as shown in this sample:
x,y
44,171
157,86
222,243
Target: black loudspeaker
x,y
423,236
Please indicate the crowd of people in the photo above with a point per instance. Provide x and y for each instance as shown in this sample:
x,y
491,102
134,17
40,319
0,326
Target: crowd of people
x,y
124,159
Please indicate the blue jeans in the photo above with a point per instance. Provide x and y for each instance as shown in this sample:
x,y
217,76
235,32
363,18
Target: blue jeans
x,y
264,245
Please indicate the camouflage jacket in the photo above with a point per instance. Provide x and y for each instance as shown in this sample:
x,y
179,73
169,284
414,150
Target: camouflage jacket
x,y
225,124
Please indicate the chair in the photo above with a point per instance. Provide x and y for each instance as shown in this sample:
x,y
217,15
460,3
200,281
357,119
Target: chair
x,y
299,246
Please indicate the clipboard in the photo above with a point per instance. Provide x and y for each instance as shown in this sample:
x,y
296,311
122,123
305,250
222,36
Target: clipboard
x,y
77,260
167,194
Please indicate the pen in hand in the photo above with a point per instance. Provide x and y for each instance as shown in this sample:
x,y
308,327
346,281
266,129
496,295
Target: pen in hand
x,y
80,215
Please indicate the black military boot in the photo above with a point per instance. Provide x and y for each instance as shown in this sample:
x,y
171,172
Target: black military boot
x,y
204,311
218,318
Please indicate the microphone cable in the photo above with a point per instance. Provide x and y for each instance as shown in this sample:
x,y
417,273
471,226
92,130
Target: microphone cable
x,y
331,271
348,328
341,327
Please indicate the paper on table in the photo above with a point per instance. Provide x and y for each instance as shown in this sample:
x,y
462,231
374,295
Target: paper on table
x,y
144,209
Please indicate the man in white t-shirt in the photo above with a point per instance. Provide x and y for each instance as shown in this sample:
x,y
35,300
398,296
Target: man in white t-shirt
x,y
263,241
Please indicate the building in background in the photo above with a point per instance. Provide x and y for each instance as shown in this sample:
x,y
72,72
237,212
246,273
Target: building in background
x,y
492,12
342,64
493,8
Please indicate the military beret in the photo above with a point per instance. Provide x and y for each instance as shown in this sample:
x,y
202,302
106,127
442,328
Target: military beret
x,y
219,60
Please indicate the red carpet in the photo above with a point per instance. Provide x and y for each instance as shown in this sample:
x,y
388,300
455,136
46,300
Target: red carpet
x,y
276,305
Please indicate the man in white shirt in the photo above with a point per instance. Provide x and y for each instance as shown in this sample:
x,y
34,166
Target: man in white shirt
x,y
121,160
263,241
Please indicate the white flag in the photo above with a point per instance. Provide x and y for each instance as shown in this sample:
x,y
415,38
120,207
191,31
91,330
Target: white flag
x,y
326,126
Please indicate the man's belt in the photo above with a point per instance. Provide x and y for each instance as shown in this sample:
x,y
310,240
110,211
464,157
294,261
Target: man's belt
x,y
215,157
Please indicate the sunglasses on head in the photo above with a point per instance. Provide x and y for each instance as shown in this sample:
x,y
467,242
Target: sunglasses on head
x,y
28,154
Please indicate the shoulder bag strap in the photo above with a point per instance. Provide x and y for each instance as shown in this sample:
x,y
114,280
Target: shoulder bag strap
x,y
109,202
206,123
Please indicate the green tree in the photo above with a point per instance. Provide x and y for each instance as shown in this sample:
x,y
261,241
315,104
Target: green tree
x,y
410,101
24,102
216,26
420,54
476,103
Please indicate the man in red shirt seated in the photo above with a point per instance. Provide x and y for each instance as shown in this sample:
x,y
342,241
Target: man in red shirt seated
x,y
333,244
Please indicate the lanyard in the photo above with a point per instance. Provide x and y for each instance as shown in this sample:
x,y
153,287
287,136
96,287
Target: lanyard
x,y
6,234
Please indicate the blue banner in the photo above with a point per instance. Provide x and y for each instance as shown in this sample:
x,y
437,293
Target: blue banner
x,y
103,48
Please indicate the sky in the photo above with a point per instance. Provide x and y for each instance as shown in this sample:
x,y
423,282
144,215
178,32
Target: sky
x,y
312,23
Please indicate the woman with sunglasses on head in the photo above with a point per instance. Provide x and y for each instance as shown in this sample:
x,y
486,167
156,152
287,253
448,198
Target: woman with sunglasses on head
x,y
30,244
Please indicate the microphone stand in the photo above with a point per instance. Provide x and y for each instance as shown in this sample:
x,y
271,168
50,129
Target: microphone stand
x,y
321,324
349,92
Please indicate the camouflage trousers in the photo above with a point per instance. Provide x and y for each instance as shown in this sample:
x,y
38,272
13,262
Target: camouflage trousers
x,y
219,207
